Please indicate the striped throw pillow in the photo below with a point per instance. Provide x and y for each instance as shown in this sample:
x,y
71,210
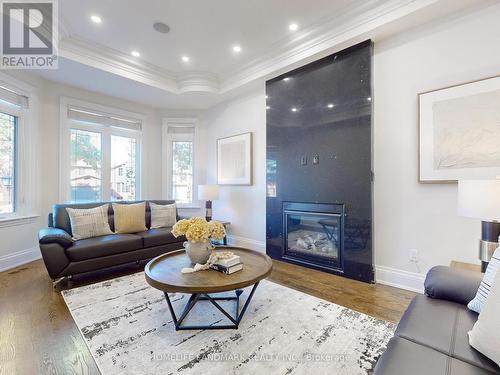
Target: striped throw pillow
x,y
163,215
484,289
89,222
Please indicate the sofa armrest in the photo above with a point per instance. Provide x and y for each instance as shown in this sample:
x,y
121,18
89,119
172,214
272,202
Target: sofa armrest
x,y
54,235
452,284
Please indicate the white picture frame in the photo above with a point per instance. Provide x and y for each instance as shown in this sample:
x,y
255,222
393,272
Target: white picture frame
x,y
459,132
234,160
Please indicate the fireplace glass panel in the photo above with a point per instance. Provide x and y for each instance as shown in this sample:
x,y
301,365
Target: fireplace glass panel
x,y
313,235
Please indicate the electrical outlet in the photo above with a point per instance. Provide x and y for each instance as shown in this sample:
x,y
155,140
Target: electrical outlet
x,y
413,253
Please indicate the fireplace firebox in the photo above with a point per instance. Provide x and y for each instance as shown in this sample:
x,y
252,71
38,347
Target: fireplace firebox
x,y
313,233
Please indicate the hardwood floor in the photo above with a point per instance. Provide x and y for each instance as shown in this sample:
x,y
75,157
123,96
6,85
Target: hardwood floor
x,y
38,335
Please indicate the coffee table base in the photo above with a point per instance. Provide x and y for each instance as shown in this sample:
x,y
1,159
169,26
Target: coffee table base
x,y
235,319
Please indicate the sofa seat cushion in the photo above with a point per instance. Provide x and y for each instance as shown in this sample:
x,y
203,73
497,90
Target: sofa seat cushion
x,y
103,246
409,358
443,326
159,237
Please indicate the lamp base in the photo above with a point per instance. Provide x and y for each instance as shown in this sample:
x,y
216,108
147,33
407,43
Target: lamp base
x,y
208,210
490,231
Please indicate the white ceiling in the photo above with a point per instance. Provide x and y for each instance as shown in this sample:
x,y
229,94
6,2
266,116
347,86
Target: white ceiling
x,y
205,30
97,56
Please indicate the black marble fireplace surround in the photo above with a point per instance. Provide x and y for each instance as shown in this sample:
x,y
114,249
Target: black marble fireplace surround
x,y
319,164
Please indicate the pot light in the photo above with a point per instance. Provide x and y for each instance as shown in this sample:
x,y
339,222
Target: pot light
x,y
293,27
135,53
95,19
286,79
330,105
294,109
237,48
185,58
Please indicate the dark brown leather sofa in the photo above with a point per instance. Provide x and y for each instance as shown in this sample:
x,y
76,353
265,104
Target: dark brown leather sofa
x,y
432,336
65,257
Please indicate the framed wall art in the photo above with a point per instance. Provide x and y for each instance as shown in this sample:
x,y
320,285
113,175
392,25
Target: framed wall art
x,y
459,132
234,160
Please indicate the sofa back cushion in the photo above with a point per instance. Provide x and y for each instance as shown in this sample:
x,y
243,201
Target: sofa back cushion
x,y
89,222
60,218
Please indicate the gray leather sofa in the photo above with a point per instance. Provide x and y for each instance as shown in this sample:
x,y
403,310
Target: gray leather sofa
x,y
431,337
65,257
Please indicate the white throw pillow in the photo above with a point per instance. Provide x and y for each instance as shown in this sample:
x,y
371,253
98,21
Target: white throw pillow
x,y
163,215
89,222
485,335
484,289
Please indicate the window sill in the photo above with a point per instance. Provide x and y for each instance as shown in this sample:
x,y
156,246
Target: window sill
x,y
11,221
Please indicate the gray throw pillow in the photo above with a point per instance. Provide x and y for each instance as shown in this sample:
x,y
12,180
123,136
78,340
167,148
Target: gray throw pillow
x,y
89,222
163,215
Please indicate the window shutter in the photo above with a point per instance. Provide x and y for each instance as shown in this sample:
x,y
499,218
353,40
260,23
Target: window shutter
x,y
105,119
13,98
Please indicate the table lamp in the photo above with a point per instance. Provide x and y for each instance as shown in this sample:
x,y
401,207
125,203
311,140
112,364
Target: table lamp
x,y
480,199
208,193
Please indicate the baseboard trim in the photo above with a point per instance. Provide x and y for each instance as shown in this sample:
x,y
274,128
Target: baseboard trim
x,y
400,279
246,242
19,258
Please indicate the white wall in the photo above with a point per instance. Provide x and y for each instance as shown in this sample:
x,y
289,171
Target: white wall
x,y
19,243
407,215
243,206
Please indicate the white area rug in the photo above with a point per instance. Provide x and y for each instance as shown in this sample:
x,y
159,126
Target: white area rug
x,y
128,329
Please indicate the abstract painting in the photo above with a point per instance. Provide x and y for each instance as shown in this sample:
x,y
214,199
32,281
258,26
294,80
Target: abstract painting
x,y
459,131
234,160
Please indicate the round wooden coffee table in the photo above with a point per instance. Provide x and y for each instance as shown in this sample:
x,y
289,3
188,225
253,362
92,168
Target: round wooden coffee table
x,y
164,273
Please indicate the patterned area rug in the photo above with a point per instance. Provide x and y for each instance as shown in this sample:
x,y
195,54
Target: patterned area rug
x,y
128,329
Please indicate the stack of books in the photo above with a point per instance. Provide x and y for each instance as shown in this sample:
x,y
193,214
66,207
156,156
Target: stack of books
x,y
228,265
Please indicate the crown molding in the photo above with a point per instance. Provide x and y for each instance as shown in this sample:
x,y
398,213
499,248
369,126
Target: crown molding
x,y
318,40
115,62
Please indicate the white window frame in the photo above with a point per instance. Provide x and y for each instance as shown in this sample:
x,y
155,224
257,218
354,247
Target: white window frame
x,y
26,205
167,140
66,124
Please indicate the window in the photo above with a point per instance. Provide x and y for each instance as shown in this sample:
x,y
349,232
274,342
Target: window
x,y
180,156
182,171
104,156
8,142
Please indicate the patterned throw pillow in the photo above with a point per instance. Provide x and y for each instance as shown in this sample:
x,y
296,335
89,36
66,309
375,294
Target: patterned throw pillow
x,y
484,289
163,215
89,222
130,218
484,335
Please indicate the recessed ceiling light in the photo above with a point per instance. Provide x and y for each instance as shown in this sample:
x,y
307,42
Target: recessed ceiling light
x,y
185,59
237,48
95,19
293,27
135,53
286,79
330,105
294,109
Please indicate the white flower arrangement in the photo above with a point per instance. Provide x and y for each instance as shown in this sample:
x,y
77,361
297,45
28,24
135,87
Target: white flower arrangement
x,y
197,229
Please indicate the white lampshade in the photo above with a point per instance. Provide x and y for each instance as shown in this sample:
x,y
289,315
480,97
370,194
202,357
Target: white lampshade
x,y
479,199
208,192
